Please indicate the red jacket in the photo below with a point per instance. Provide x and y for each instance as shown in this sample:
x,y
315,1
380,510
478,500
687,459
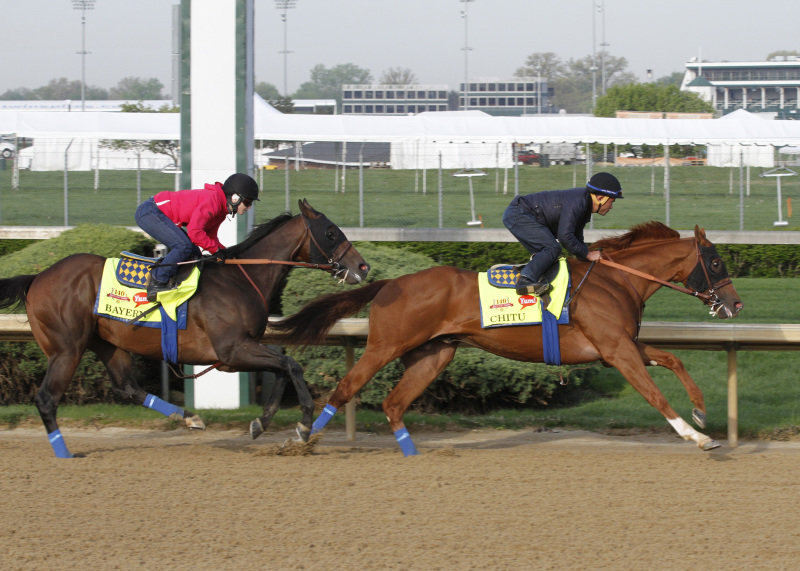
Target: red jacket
x,y
200,211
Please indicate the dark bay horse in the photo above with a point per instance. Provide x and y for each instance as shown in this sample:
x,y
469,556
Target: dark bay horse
x,y
226,317
423,318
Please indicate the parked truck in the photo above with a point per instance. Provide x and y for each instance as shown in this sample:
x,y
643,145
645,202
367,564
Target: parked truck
x,y
552,153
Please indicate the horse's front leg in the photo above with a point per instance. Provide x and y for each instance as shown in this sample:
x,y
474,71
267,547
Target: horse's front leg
x,y
250,355
628,360
658,357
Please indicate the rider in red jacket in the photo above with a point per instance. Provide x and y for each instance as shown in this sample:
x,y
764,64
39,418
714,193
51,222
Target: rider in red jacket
x,y
187,220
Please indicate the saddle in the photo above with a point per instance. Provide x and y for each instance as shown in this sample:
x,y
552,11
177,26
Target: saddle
x,y
134,270
506,275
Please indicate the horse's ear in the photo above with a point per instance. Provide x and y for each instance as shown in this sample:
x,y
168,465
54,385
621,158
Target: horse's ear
x,y
307,209
700,235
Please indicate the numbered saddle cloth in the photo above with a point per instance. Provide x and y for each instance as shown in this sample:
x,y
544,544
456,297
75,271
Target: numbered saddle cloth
x,y
501,306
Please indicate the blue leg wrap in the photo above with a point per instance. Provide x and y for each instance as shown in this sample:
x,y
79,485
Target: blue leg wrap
x,y
162,406
57,442
324,417
405,442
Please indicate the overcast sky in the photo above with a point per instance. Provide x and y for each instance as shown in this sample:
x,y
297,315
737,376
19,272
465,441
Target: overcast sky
x,y
41,39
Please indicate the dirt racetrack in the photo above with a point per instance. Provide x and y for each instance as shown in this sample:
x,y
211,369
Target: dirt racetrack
x,y
488,499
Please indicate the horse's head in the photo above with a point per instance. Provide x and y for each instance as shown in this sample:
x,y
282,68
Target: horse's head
x,y
711,280
329,246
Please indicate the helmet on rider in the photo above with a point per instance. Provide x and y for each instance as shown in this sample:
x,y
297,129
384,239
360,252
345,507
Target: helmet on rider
x,y
240,188
605,184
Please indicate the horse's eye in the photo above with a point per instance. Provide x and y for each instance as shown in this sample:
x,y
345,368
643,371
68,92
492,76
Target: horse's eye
x,y
716,265
330,234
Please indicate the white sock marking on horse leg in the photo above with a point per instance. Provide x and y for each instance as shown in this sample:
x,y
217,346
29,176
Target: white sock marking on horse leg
x,y
682,428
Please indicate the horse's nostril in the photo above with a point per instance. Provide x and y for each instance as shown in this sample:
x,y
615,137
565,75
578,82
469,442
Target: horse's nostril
x,y
364,267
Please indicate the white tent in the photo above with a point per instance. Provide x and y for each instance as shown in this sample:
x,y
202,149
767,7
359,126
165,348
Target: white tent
x,y
72,139
737,154
429,131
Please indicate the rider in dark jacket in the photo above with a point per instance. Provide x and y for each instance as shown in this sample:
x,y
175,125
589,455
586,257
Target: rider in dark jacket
x,y
545,221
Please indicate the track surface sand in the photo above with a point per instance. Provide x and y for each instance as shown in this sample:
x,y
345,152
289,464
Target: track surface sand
x,y
488,499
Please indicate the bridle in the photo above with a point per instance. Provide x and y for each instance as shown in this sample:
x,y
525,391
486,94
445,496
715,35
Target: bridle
x,y
318,229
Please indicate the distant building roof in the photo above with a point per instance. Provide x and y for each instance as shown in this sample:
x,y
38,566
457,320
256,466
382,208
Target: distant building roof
x,y
699,82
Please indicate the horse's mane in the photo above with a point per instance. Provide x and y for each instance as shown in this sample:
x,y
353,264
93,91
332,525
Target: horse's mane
x,y
258,233
652,230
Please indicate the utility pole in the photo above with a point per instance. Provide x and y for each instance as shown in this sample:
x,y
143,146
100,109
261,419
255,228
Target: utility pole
x,y
83,6
466,48
284,6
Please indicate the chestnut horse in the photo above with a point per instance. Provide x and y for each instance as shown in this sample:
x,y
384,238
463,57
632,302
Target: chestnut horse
x,y
225,322
423,318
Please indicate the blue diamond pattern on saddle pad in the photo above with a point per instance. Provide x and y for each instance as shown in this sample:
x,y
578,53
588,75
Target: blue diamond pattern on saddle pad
x,y
504,275
133,269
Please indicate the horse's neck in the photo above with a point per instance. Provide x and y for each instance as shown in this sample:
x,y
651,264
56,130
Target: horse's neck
x,y
281,244
669,260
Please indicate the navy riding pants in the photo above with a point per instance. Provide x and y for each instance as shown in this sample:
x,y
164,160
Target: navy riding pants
x,y
535,236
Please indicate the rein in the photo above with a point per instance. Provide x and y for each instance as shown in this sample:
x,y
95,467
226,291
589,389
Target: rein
x,y
709,297
652,278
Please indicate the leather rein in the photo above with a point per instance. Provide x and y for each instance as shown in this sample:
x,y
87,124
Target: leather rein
x,y
708,296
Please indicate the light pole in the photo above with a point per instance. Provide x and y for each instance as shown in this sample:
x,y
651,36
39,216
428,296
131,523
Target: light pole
x,y
466,48
83,5
601,7
284,6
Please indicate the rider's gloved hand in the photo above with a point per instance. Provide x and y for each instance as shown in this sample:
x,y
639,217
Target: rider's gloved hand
x,y
220,256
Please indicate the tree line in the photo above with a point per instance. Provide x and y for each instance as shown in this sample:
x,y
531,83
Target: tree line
x,y
600,83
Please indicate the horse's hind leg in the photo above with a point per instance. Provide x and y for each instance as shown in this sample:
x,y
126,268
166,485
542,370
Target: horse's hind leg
x,y
423,365
119,364
60,368
653,356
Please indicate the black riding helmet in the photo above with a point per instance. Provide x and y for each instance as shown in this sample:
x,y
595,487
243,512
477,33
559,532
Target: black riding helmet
x,y
239,188
606,184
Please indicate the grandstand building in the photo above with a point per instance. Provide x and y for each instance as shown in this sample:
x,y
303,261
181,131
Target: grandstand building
x,y
513,97
758,87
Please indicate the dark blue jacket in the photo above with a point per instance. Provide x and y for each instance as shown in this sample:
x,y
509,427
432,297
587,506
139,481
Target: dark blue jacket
x,y
565,213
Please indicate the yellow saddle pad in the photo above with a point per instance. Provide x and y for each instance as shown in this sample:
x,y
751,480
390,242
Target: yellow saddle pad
x,y
125,302
501,306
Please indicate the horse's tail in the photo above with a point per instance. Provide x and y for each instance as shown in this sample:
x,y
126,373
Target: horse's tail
x,y
14,290
310,325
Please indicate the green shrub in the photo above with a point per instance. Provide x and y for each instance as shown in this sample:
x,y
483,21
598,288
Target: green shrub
x,y
8,246
101,239
475,381
761,260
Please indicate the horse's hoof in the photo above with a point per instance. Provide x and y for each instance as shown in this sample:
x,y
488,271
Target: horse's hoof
x,y
256,429
303,432
710,445
699,417
194,422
